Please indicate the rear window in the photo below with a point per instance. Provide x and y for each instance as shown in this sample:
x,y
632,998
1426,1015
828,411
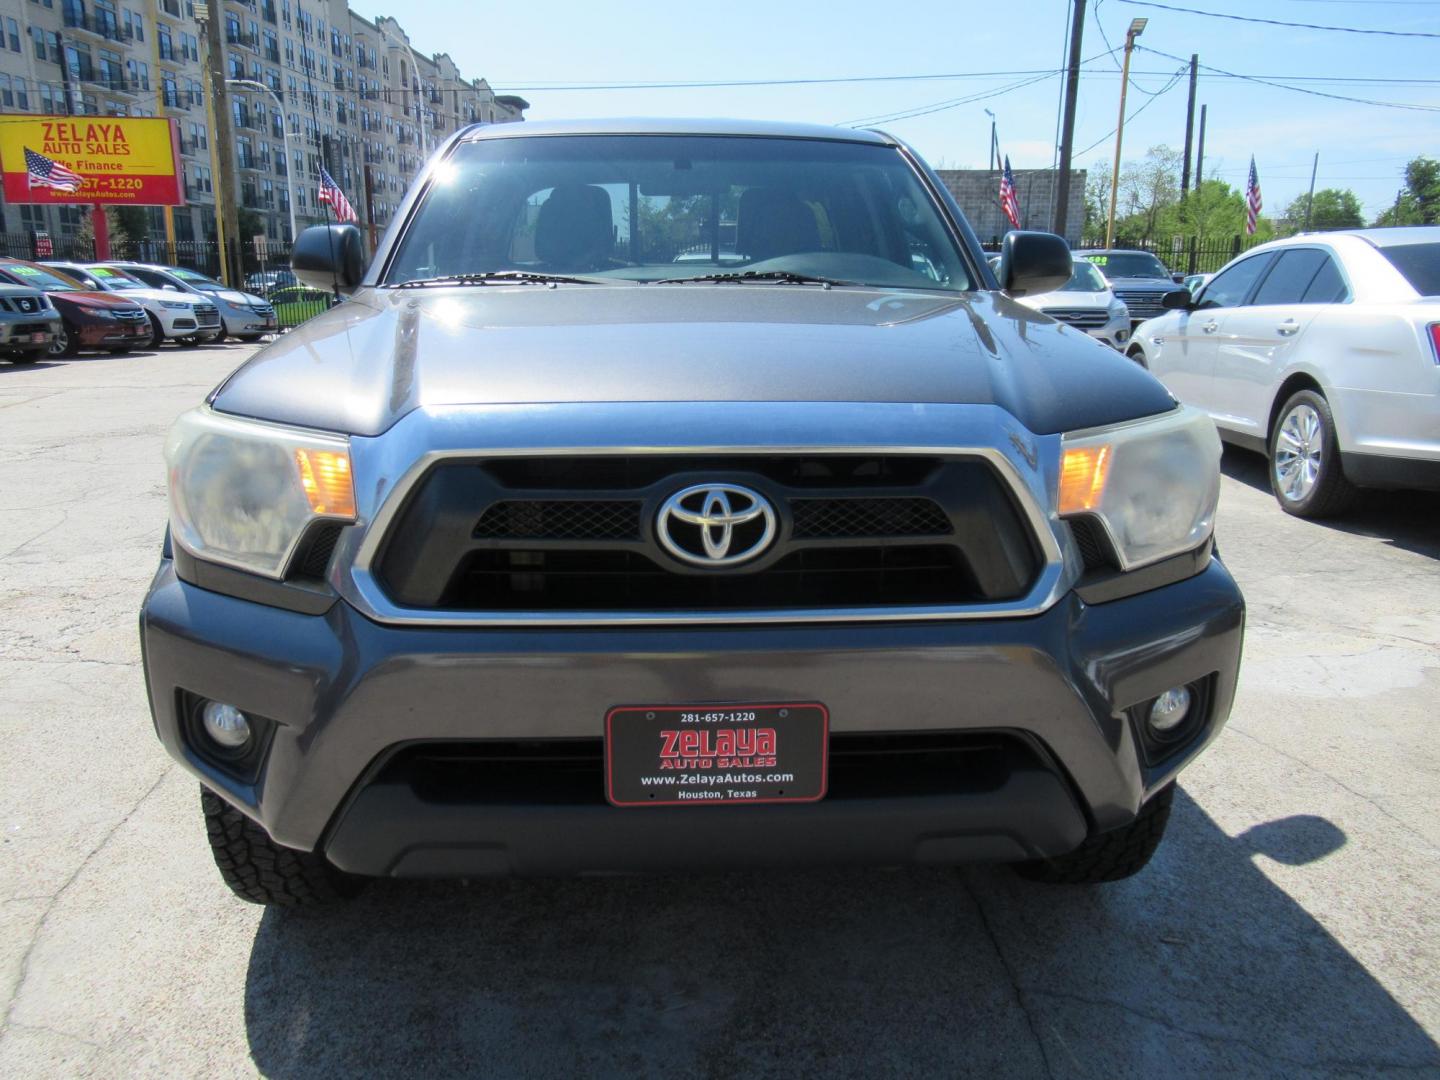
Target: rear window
x,y
1419,264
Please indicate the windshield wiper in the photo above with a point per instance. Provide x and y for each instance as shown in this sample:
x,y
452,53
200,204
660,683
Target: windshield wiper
x,y
496,277
784,277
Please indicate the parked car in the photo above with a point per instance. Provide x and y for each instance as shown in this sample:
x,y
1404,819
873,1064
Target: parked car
x,y
242,315
88,319
265,282
29,324
533,557
298,303
173,316
1087,303
1322,351
1139,279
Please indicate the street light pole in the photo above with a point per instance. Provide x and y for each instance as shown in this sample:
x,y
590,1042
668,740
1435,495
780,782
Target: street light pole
x,y
251,84
1137,27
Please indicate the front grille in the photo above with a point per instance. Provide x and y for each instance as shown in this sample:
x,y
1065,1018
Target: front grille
x,y
1080,318
264,311
207,315
561,519
26,304
1143,303
31,328
579,535
131,315
868,517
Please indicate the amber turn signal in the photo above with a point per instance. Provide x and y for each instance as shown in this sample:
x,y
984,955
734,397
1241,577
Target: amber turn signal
x,y
1082,478
325,476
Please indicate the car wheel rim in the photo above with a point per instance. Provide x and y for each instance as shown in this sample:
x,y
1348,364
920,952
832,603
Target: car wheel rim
x,y
60,344
1298,447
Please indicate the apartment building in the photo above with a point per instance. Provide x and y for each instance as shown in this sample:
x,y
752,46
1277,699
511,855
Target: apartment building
x,y
352,94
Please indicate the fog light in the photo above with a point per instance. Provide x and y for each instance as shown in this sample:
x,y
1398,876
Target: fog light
x,y
1168,712
226,725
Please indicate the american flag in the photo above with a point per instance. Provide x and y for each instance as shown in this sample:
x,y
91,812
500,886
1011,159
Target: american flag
x,y
1252,200
330,193
42,172
1008,202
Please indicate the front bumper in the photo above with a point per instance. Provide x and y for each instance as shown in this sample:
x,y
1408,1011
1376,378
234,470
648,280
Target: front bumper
x,y
1115,333
348,694
97,333
29,332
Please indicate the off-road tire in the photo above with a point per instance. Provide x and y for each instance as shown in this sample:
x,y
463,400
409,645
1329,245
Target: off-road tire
x,y
1332,494
1110,856
263,872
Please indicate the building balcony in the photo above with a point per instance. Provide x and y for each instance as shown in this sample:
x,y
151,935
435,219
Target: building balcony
x,y
248,41
99,26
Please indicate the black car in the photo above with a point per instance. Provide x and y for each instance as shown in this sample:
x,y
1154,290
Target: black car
x,y
548,552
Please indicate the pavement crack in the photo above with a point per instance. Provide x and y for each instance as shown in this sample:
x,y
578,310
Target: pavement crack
x,y
1011,976
40,925
1369,800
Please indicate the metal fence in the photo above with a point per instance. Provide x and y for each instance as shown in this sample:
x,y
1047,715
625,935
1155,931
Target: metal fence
x,y
266,266
1186,255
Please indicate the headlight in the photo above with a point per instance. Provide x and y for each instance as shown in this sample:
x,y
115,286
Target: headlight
x,y
1118,310
243,492
177,305
1153,484
100,313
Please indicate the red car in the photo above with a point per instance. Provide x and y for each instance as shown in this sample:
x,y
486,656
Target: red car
x,y
88,319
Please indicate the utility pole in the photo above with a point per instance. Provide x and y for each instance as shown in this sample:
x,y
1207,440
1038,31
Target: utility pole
x,y
1310,199
1200,151
227,201
1137,27
1067,129
1189,127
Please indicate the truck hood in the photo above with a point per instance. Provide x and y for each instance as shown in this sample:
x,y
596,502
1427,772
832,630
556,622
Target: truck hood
x,y
361,366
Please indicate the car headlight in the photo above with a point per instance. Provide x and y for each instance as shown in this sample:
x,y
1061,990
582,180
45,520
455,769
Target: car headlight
x,y
243,492
177,305
1152,484
1118,310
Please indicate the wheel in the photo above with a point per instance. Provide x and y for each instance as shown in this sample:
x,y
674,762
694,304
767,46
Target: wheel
x,y
261,871
1112,855
249,337
157,333
1305,471
66,343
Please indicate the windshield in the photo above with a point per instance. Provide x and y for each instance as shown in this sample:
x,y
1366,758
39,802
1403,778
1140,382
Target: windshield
x,y
198,281
646,208
1129,264
1419,264
114,279
40,278
1085,279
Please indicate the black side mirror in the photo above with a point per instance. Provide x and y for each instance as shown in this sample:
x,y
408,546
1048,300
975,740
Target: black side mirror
x,y
1177,300
1033,262
1179,279
330,258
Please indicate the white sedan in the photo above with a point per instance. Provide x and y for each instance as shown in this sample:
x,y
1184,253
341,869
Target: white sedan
x,y
1322,351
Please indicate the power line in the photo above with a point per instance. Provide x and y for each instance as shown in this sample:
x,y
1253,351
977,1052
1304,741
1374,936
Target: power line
x,y
941,106
1174,81
1278,22
1302,89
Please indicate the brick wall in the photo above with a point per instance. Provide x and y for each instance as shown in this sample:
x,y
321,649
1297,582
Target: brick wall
x,y
978,190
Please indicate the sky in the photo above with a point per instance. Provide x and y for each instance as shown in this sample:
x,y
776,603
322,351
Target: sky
x,y
569,58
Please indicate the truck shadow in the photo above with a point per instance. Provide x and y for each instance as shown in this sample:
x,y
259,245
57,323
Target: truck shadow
x,y
1199,966
1403,519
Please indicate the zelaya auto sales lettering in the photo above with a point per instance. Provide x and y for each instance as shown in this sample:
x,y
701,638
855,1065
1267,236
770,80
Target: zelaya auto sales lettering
x,y
92,140
729,748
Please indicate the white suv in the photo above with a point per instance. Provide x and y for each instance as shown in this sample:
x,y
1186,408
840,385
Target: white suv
x,y
1323,351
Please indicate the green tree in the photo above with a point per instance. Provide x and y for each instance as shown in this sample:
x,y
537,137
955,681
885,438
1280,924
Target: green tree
x,y
1334,208
1097,198
1418,202
1148,188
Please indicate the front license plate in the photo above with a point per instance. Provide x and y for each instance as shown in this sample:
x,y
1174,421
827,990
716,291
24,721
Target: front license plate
x,y
39,339
703,755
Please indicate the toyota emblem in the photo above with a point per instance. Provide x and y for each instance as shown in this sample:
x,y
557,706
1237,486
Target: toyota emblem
x,y
715,524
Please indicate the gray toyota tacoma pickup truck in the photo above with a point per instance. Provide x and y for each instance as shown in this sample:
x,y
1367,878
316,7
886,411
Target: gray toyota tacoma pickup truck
x,y
685,495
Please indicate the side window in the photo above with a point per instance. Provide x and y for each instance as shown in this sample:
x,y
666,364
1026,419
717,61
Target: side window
x,y
1230,287
1289,277
1327,286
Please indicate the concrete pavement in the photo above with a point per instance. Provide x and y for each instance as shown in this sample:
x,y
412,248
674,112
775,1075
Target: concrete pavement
x,y
1288,925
